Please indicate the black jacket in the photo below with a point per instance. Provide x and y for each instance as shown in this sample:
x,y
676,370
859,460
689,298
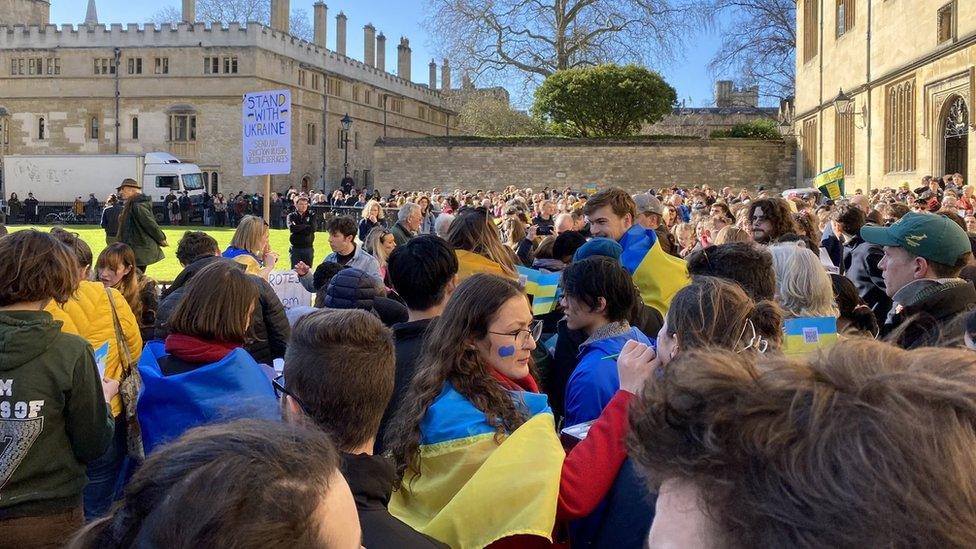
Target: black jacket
x,y
371,480
110,219
302,229
408,338
269,326
860,265
934,318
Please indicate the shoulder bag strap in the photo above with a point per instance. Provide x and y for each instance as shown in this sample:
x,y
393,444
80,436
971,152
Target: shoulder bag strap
x,y
119,336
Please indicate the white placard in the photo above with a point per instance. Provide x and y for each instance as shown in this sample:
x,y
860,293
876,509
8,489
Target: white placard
x,y
289,289
266,120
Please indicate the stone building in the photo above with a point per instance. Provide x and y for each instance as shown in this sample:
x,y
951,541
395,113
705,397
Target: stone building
x,y
98,88
732,106
885,88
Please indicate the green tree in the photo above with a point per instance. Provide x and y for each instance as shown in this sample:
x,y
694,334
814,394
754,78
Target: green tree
x,y
603,101
487,115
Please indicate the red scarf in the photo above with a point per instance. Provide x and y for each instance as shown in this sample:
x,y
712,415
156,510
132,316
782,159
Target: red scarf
x,y
527,383
196,350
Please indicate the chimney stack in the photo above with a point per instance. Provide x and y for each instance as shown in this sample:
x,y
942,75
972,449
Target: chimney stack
x,y
279,15
189,11
433,74
341,33
369,45
446,76
321,18
381,52
403,59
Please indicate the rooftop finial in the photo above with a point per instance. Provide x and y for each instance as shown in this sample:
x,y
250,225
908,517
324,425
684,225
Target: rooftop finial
x,y
91,18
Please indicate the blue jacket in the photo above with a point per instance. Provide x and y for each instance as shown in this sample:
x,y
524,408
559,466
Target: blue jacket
x,y
595,380
232,388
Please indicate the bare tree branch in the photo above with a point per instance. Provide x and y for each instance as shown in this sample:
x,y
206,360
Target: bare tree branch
x,y
758,43
240,11
520,42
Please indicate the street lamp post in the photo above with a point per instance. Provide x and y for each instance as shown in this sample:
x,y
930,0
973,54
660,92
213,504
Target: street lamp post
x,y
346,124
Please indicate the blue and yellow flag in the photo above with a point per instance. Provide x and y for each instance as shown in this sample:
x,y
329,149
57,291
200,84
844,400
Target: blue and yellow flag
x,y
807,334
657,274
470,264
831,182
473,490
543,287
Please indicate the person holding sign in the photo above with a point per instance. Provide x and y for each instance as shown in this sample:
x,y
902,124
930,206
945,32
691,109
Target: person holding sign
x,y
251,247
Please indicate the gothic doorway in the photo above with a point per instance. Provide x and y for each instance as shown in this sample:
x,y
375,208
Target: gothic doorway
x,y
956,135
306,183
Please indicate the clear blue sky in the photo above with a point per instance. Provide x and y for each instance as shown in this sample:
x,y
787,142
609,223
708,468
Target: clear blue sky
x,y
396,18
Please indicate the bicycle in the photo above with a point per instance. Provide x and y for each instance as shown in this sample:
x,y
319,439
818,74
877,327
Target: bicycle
x,y
63,218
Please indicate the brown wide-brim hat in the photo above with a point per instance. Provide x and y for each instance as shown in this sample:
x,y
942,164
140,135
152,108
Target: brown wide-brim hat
x,y
129,183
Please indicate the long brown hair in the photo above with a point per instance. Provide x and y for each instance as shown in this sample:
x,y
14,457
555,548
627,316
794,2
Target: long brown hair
x,y
713,312
217,304
131,285
473,230
447,357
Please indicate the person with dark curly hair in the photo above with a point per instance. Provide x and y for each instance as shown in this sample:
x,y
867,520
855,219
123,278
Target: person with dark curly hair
x,y
771,218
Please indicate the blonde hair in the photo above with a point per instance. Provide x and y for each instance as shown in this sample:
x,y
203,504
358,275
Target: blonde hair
x,y
368,209
803,287
474,231
731,233
250,235
374,244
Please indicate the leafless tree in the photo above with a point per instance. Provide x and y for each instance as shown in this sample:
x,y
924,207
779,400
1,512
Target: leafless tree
x,y
523,41
241,11
758,42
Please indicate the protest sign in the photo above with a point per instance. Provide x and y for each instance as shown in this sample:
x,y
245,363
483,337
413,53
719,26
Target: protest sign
x,y
266,120
289,289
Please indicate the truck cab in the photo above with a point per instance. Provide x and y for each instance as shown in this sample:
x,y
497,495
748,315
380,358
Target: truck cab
x,y
164,173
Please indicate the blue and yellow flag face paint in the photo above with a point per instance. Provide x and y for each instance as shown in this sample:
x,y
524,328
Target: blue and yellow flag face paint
x,y
807,334
473,489
543,287
657,274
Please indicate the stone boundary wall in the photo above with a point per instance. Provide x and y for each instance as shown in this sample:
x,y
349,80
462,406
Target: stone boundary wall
x,y
633,164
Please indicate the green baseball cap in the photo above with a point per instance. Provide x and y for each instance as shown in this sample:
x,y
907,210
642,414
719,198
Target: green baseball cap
x,y
934,237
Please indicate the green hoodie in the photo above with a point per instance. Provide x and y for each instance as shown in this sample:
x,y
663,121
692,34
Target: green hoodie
x,y
53,416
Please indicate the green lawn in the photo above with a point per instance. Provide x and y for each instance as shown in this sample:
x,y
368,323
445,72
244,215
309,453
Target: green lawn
x,y
167,269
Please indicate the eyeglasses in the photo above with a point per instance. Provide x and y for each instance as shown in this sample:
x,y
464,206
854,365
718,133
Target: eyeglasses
x,y
534,331
279,386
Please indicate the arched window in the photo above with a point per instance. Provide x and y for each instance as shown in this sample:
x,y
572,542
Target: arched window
x,y
213,183
135,127
41,128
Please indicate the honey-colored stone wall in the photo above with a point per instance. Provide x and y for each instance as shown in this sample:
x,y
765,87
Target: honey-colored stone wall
x,y
635,165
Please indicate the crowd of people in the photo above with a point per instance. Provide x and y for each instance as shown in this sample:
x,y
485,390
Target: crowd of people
x,y
693,367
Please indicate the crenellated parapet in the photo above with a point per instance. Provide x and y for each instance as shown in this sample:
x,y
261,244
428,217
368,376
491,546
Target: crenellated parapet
x,y
249,35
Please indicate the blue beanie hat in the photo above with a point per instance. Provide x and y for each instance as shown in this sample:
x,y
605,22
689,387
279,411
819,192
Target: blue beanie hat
x,y
599,246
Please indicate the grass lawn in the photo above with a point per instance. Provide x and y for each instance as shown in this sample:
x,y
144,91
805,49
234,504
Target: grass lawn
x,y
167,269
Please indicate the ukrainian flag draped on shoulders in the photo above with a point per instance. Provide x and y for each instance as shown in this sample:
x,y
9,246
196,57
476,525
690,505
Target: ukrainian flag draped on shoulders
x,y
657,274
470,264
474,490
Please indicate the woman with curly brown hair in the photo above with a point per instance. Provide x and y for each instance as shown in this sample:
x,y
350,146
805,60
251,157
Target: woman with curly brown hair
x,y
474,442
862,445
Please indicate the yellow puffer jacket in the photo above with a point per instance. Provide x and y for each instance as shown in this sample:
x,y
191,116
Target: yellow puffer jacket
x,y
89,314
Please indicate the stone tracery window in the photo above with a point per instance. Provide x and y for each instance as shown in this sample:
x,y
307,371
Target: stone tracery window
x,y
957,119
900,127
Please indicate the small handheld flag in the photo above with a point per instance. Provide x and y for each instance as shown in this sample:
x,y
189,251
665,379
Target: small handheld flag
x,y
831,182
